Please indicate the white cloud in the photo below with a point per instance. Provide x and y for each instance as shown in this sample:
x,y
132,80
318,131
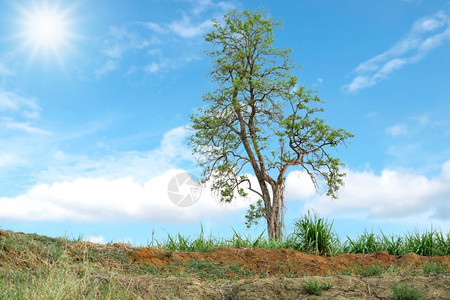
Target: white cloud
x,y
121,40
360,82
108,67
426,34
154,27
7,62
403,152
299,186
136,38
96,239
12,102
25,127
140,166
371,114
200,6
98,199
164,65
390,195
9,160
390,67
18,113
395,195
155,67
396,130
134,186
423,119
68,178
430,23
5,71
185,28
155,52
59,155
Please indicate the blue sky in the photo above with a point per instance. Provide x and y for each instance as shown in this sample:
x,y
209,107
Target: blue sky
x,y
93,114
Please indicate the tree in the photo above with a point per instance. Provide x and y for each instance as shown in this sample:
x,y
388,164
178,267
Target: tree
x,y
260,119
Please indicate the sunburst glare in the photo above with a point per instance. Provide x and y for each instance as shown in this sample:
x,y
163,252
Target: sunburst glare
x,y
46,29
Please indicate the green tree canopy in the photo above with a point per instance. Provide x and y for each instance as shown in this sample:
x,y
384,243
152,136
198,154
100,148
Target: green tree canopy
x,y
260,119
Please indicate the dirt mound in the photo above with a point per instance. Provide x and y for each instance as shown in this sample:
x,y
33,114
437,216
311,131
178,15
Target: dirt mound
x,y
282,262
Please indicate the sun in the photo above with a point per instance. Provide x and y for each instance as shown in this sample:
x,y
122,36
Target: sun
x,y
46,29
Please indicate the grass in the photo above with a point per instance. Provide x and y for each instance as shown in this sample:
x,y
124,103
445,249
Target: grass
x,y
203,243
313,287
314,234
373,270
434,268
200,244
365,243
403,292
35,267
39,267
347,271
311,234
429,243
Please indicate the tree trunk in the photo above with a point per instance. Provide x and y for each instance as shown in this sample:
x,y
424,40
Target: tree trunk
x,y
274,217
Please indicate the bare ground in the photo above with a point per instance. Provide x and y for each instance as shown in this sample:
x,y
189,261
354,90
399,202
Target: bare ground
x,y
343,287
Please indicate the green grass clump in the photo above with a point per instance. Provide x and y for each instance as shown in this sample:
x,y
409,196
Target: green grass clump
x,y
206,244
199,244
245,242
313,287
346,271
314,234
434,268
365,243
403,292
373,270
429,243
392,244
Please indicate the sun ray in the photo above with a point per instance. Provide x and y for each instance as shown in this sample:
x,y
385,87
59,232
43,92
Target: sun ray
x,y
46,30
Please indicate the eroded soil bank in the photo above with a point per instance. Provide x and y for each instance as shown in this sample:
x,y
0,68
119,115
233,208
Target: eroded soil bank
x,y
343,287
282,262
284,273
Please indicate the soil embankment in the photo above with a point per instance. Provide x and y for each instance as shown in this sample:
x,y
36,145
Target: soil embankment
x,y
39,267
